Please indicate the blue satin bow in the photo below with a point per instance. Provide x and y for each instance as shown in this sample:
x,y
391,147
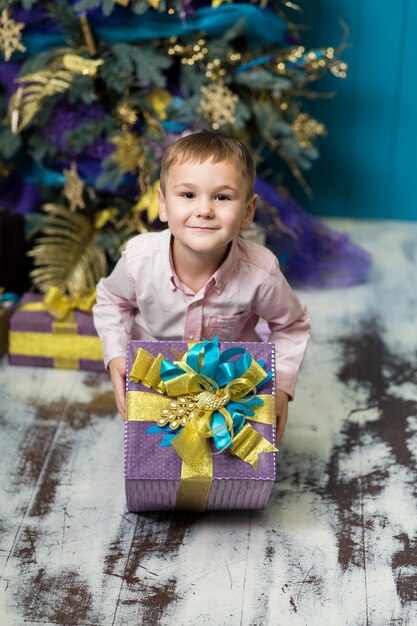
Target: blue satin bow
x,y
207,360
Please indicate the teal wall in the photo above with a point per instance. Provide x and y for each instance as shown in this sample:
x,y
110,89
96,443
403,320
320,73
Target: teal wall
x,y
367,167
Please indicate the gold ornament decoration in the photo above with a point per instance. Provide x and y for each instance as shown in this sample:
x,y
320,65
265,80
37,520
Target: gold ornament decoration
x,y
306,129
184,408
191,53
160,99
180,412
211,401
218,105
128,151
339,69
125,115
214,70
73,188
10,35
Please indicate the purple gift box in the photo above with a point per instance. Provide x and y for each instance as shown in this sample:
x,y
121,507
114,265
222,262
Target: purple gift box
x,y
4,329
153,473
37,339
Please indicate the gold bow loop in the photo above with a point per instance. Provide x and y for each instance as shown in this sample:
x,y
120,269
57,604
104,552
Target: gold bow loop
x,y
59,305
190,400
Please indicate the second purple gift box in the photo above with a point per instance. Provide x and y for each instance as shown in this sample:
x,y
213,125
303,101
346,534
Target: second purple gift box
x,y
37,339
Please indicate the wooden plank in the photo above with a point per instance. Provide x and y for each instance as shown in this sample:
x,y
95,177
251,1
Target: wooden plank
x,y
63,532
336,545
29,430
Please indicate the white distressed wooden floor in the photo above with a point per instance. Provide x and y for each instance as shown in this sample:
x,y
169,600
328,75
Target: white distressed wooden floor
x,y
338,542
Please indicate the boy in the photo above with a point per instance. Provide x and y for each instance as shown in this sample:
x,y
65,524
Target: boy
x,y
198,279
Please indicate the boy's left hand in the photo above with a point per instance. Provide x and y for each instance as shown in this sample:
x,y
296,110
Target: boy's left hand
x,y
281,404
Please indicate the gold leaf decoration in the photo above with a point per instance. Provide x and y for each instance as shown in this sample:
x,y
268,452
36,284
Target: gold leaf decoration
x,y
66,255
55,79
149,202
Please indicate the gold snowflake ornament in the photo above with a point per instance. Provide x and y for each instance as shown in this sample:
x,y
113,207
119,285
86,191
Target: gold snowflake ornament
x,y
10,35
73,188
218,104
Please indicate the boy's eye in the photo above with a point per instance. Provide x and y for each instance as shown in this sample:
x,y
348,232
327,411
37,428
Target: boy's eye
x,y
221,196
187,194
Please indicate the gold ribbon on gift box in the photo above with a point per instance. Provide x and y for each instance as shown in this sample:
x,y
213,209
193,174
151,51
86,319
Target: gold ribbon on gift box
x,y
191,444
63,345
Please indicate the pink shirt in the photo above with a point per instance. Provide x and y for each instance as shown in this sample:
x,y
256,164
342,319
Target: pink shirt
x,y
143,298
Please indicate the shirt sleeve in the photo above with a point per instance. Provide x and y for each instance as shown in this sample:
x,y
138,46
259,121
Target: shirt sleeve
x,y
289,325
115,309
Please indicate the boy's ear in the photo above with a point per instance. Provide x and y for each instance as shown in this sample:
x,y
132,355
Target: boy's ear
x,y
162,210
249,212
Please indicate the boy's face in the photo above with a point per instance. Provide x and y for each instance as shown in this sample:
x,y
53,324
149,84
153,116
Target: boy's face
x,y
205,205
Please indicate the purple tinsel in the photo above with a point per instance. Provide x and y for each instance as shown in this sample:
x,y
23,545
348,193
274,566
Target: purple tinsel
x,y
19,196
66,117
312,254
8,72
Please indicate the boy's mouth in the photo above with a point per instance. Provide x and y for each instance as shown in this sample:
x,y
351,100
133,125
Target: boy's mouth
x,y
208,228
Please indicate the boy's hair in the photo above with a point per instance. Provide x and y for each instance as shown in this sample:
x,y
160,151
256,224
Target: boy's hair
x,y
207,145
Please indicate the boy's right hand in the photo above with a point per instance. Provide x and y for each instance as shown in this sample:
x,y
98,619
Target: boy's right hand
x,y
117,370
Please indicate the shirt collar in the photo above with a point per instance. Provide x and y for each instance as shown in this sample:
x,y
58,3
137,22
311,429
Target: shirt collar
x,y
167,259
220,276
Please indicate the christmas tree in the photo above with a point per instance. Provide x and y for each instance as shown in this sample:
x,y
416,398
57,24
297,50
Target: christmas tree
x,y
95,90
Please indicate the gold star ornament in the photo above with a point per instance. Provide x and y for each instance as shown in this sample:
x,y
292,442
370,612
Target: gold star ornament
x,y
10,35
73,188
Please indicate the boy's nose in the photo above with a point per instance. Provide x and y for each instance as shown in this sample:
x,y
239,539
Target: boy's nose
x,y
205,209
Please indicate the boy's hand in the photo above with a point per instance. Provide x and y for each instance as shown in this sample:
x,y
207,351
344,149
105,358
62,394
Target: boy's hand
x,y
281,404
117,369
